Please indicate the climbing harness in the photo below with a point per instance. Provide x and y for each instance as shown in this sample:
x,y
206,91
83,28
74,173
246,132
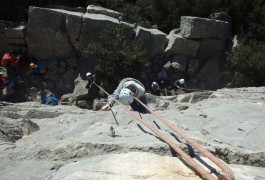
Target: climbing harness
x,y
203,172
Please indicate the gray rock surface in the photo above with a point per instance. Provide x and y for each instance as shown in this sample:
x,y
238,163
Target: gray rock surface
x,y
74,143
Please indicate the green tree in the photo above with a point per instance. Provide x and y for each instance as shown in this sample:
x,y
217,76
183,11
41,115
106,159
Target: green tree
x,y
249,59
118,54
256,20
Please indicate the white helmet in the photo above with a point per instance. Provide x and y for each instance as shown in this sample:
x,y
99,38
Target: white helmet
x,y
126,96
155,86
88,74
181,81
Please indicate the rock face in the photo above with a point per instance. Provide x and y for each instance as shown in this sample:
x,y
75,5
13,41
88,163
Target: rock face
x,y
198,28
51,34
68,33
141,165
56,38
66,142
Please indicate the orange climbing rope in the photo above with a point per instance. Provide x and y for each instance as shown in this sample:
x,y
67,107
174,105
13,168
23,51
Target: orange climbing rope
x,y
203,172
196,145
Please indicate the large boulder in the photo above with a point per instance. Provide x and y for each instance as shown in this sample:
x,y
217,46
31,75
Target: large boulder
x,y
57,33
179,44
47,35
92,9
93,25
210,73
211,48
153,40
196,28
123,166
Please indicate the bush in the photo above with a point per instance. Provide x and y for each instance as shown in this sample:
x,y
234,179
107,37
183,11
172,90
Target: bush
x,y
249,59
117,54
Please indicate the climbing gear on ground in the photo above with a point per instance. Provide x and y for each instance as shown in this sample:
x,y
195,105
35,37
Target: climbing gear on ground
x,y
50,101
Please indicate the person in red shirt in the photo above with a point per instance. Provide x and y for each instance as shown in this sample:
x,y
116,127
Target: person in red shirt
x,y
8,58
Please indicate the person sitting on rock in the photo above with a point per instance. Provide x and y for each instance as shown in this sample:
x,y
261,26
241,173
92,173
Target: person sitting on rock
x,y
179,86
35,68
127,89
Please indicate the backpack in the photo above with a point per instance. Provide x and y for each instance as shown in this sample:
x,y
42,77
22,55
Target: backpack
x,y
162,75
51,101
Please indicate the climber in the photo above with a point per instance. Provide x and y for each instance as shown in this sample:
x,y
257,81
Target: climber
x,y
127,89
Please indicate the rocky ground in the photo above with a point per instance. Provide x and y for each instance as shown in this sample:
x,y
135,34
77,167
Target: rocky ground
x,y
69,143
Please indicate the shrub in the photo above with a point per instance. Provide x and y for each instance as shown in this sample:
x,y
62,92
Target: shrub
x,y
118,54
248,58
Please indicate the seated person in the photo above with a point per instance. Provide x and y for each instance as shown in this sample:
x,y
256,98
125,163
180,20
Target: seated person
x,y
35,68
179,86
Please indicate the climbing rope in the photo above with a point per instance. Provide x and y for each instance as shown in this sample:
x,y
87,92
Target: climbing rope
x,y
204,173
196,145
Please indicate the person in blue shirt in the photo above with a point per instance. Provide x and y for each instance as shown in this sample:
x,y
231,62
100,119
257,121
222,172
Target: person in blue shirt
x,y
179,86
35,68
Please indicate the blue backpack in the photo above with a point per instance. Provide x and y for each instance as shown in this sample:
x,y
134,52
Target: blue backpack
x,y
50,101
162,75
